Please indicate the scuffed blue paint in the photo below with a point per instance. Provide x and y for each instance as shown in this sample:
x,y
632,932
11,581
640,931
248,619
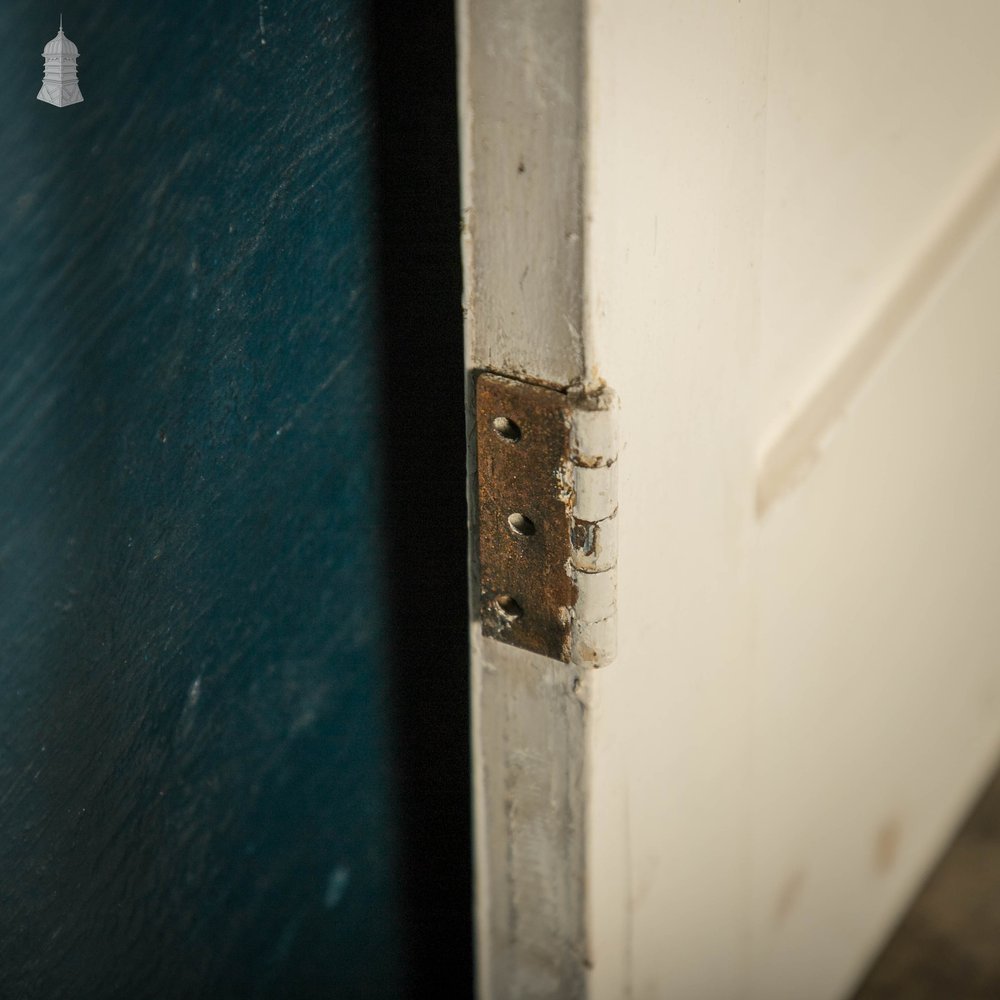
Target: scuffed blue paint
x,y
336,886
192,616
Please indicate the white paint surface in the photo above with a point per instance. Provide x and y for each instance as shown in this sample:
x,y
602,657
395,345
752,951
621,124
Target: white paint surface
x,y
789,276
676,181
805,701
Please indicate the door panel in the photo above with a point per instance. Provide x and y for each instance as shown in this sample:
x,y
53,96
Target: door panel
x,y
789,250
195,775
793,258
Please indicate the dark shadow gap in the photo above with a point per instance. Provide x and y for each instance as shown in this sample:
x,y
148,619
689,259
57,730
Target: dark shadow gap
x,y
418,206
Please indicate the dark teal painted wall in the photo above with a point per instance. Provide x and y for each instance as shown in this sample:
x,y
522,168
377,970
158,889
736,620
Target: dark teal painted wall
x,y
195,738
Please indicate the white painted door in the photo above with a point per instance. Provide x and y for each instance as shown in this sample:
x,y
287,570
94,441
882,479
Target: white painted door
x,y
774,231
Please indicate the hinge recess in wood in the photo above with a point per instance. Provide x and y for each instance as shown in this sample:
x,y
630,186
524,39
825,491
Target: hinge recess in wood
x,y
548,506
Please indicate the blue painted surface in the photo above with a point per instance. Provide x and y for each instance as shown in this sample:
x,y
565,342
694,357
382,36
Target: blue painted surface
x,y
195,785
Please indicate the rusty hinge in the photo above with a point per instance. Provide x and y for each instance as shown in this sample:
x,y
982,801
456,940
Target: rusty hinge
x,y
547,518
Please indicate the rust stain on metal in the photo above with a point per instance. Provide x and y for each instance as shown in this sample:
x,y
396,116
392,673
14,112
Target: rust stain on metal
x,y
523,441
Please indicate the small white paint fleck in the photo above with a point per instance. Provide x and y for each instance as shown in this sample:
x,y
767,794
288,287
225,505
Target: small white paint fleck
x,y
263,40
336,886
195,692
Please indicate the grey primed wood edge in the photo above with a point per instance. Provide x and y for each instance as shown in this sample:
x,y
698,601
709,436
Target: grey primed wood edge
x,y
521,85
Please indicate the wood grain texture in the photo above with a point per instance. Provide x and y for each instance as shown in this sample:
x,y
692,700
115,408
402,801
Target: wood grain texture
x,y
195,797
